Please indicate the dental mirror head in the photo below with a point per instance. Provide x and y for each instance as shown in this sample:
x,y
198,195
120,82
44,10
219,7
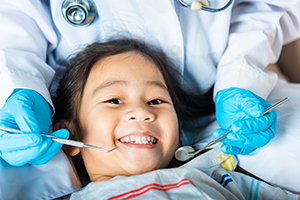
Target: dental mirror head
x,y
184,153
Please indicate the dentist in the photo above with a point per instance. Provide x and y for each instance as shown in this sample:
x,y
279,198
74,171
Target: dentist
x,y
227,50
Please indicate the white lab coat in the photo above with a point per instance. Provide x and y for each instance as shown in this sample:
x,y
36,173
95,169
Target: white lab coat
x,y
230,48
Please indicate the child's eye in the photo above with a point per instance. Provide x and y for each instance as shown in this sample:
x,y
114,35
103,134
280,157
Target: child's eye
x,y
114,101
156,102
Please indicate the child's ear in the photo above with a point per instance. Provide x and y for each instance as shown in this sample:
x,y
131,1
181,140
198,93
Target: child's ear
x,y
65,124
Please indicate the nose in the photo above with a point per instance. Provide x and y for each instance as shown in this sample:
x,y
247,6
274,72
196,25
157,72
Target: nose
x,y
141,114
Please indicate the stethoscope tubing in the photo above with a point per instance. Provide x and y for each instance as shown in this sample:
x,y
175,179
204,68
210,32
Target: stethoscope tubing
x,y
207,8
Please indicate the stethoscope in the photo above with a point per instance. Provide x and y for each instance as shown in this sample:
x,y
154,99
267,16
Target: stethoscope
x,y
83,12
79,12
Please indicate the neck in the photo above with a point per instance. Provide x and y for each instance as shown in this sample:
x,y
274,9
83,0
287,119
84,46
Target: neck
x,y
101,178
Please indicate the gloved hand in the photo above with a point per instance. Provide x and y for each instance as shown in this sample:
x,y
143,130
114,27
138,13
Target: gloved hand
x,y
29,112
242,112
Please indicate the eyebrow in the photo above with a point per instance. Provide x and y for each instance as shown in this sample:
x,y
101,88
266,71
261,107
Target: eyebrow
x,y
108,84
157,84
121,82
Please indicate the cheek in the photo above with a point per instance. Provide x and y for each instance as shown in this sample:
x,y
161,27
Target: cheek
x,y
171,143
100,129
171,133
95,161
176,140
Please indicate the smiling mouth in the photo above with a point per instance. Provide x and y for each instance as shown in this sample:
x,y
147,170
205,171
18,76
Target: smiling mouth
x,y
150,140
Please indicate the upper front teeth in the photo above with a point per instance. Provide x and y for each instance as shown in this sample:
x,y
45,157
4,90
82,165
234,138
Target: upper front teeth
x,y
138,140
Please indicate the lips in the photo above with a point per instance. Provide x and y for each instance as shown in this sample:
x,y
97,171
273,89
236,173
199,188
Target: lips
x,y
138,139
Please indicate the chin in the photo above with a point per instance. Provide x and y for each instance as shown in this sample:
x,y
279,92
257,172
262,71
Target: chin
x,y
141,171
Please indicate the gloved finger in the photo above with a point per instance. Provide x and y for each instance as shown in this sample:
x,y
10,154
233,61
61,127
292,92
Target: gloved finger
x,y
241,99
7,120
53,149
22,157
255,124
232,150
24,115
40,107
251,105
51,153
249,140
13,141
61,133
218,132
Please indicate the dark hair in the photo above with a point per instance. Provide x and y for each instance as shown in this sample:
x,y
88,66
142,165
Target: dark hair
x,y
69,92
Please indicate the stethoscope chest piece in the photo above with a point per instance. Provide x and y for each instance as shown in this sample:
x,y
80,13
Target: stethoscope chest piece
x,y
78,12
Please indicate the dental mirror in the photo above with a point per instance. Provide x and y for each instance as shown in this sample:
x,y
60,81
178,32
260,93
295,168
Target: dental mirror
x,y
186,153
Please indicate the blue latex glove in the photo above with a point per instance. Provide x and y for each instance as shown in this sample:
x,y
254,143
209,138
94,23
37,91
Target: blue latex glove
x,y
29,112
242,112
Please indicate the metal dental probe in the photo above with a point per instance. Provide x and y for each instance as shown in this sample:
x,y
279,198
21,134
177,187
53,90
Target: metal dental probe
x,y
186,152
61,140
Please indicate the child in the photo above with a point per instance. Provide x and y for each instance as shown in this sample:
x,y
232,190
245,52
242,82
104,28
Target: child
x,y
124,94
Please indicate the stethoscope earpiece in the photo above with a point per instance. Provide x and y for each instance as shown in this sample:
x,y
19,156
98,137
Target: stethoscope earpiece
x,y
79,12
196,6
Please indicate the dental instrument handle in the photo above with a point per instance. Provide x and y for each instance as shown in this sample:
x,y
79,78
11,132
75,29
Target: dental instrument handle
x,y
65,141
61,140
211,143
276,105
73,142
76,143
10,129
218,139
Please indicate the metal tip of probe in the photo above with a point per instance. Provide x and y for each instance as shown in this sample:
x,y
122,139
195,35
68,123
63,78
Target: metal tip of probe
x,y
112,149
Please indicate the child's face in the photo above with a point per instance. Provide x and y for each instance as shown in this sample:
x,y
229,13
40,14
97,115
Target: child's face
x,y
126,104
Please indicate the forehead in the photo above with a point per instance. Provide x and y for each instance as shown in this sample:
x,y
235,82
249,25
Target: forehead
x,y
130,56
128,64
131,69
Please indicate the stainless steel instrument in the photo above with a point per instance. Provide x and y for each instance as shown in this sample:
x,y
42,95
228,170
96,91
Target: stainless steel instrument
x,y
62,141
187,152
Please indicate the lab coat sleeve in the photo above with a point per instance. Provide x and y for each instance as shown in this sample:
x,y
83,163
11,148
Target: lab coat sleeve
x,y
257,32
26,35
